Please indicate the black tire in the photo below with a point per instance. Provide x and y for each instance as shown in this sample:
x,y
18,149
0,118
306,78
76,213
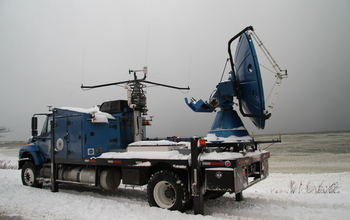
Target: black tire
x,y
29,174
213,194
168,190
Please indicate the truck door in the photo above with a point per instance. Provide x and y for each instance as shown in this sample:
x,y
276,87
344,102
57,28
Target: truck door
x,y
44,139
68,136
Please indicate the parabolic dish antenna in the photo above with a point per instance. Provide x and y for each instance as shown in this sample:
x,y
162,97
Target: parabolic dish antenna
x,y
245,83
248,81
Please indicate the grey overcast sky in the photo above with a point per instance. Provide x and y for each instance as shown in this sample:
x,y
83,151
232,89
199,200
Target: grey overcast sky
x,y
49,48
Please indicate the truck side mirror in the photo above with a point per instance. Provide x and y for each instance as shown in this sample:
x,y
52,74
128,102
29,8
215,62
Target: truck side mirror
x,y
34,126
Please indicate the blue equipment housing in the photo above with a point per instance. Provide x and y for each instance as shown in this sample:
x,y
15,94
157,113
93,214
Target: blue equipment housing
x,y
245,84
79,135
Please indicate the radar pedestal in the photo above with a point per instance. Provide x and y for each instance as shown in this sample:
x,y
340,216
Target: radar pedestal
x,y
228,127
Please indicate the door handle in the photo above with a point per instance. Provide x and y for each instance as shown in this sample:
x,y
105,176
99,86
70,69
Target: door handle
x,y
66,137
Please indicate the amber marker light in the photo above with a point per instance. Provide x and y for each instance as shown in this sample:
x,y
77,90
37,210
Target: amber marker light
x,y
146,123
202,142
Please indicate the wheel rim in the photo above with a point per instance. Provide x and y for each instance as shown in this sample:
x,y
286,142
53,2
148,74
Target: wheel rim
x,y
28,176
164,194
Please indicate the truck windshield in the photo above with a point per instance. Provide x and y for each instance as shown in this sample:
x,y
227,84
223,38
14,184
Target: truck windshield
x,y
47,126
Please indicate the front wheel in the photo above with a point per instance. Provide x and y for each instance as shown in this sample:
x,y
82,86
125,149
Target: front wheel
x,y
29,175
168,190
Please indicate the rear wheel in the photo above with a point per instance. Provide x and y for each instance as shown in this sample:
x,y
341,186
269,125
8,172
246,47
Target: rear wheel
x,y
29,175
168,190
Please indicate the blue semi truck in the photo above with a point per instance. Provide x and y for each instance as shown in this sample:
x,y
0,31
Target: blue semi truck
x,y
106,145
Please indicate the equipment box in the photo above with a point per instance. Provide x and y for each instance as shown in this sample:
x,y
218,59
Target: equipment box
x,y
219,179
135,176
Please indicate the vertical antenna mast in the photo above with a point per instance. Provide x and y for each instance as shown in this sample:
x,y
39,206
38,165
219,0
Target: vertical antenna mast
x,y
136,97
147,47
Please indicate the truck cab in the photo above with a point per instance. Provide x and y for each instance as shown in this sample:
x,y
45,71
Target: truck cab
x,y
38,146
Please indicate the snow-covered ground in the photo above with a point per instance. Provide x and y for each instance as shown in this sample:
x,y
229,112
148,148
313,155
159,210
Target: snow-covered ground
x,y
270,199
287,195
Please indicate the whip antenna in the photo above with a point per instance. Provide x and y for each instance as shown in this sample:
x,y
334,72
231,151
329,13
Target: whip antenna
x,y
82,69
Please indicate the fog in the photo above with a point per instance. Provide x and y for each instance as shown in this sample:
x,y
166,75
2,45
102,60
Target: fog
x,y
49,48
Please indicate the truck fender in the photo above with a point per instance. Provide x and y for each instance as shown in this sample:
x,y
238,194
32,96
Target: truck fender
x,y
28,153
